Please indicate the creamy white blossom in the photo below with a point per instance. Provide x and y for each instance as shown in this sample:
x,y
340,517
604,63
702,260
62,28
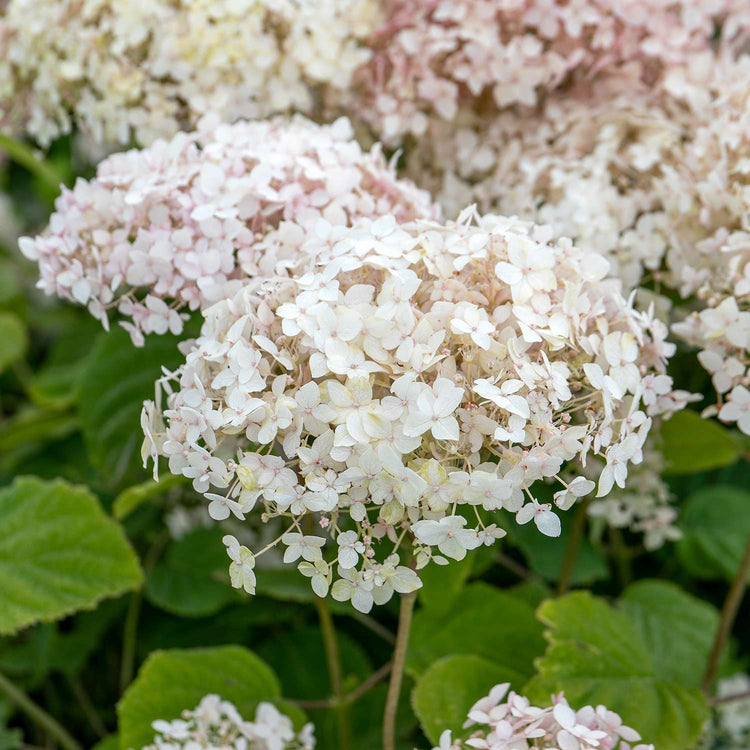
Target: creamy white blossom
x,y
144,69
174,227
395,429
215,724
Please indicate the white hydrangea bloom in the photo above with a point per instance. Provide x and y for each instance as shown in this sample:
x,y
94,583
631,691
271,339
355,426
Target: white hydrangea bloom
x,y
654,177
215,724
346,391
516,724
172,227
144,69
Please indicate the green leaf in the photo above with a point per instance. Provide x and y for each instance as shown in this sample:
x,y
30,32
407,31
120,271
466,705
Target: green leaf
x,y
59,552
716,527
691,444
117,379
13,339
678,628
596,654
483,621
441,584
533,592
110,742
184,582
172,681
132,498
444,694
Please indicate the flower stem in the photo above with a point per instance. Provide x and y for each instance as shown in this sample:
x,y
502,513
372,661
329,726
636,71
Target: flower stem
x,y
574,544
24,155
728,615
38,714
406,611
333,661
352,695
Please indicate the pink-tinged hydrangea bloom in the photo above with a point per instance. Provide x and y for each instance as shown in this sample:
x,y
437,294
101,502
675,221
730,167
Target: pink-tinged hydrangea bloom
x,y
405,373
169,228
144,69
515,724
215,724
655,178
435,61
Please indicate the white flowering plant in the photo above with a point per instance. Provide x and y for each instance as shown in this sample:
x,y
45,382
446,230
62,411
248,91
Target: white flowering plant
x,y
374,375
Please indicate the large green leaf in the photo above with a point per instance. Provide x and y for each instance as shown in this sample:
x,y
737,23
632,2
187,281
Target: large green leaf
x,y
59,552
597,654
13,339
172,681
447,690
441,584
483,621
192,579
678,628
691,444
716,527
117,379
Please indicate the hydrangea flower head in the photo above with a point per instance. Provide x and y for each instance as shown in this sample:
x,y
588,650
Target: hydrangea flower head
x,y
169,228
404,385
508,721
653,177
144,69
434,62
215,724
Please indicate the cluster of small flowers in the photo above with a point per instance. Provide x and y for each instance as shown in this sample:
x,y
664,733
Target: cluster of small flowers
x,y
644,505
517,725
715,163
436,61
406,372
584,165
169,227
656,178
215,724
144,69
